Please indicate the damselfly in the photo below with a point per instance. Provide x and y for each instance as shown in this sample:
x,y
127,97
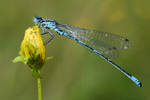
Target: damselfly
x,y
103,44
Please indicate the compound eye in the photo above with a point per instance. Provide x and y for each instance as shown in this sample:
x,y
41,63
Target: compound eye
x,y
37,19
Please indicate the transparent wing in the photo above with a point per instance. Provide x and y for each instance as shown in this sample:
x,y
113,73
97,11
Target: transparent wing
x,y
105,43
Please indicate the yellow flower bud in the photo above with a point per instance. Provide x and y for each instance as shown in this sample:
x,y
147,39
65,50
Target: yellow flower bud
x,y
33,51
28,50
32,44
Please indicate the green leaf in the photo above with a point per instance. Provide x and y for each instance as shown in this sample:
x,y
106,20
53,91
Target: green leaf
x,y
46,59
25,60
20,53
19,58
37,55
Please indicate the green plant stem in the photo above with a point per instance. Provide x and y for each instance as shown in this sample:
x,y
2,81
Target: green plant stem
x,y
39,87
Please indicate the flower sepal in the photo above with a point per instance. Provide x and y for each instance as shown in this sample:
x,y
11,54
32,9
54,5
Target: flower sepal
x,y
32,63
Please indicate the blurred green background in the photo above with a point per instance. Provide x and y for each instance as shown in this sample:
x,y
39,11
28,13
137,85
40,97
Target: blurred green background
x,y
76,73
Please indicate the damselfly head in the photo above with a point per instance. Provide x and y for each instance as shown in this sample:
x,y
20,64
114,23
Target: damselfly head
x,y
37,19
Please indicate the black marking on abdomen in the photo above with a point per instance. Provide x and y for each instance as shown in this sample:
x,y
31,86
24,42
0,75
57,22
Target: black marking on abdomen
x,y
47,27
126,40
114,48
